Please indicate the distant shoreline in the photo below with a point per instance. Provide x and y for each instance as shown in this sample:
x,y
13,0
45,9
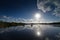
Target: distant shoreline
x,y
8,24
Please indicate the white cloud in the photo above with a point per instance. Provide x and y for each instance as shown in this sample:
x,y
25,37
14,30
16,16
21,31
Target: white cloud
x,y
57,12
41,5
49,5
7,17
12,19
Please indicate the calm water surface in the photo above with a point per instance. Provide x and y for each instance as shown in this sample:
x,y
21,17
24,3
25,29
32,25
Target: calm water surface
x,y
37,32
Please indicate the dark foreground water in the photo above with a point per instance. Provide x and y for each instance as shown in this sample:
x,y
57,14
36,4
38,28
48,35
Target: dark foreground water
x,y
37,32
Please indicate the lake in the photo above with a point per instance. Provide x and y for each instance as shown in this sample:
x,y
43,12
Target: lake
x,y
36,32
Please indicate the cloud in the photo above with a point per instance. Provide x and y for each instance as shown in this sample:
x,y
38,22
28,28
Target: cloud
x,y
6,17
18,20
57,12
49,6
12,19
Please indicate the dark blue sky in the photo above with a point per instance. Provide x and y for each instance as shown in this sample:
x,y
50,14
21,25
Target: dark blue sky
x,y
18,8
24,9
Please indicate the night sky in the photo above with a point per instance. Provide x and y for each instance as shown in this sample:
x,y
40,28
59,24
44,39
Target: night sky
x,y
26,9
18,8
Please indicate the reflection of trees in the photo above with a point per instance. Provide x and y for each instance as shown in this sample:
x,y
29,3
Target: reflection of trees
x,y
8,24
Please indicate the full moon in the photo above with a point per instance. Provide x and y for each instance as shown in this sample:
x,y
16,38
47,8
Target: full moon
x,y
37,15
